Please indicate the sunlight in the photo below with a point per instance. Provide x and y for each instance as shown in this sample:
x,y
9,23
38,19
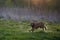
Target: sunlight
x,y
35,2
48,1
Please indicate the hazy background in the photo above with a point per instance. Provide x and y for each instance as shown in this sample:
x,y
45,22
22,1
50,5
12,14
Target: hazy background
x,y
30,10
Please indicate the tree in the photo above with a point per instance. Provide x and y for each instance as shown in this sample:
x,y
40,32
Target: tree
x,y
8,3
2,3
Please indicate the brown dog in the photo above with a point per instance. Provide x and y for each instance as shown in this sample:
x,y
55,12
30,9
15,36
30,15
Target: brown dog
x,y
36,25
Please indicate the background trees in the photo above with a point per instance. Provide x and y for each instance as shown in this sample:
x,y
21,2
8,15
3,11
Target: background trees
x,y
44,4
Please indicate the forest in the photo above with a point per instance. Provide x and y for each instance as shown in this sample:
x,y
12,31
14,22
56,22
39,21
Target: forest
x,y
50,4
37,9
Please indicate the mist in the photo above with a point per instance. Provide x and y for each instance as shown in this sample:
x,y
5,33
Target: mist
x,y
28,14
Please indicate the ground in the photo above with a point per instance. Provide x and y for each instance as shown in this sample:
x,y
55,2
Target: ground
x,y
18,30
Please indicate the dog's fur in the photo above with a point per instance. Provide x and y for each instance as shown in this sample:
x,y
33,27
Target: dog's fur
x,y
36,25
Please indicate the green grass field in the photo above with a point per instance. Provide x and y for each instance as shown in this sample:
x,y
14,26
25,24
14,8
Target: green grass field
x,y
14,30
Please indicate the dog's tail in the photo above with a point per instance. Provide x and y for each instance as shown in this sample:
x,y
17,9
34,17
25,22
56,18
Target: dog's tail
x,y
46,27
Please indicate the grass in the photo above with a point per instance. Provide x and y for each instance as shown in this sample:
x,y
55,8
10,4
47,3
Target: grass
x,y
14,30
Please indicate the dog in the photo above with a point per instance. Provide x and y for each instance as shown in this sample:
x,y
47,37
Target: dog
x,y
36,25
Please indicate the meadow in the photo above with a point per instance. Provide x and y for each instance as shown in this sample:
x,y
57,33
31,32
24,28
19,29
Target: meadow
x,y
18,30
